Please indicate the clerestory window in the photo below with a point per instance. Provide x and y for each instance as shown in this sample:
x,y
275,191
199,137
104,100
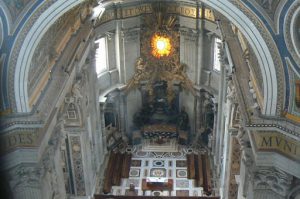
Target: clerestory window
x,y
101,56
216,61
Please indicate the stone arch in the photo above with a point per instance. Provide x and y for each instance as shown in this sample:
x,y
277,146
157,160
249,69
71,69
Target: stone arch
x,y
261,50
35,34
226,8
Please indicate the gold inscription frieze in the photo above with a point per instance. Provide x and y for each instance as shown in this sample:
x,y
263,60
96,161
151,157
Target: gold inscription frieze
x,y
18,139
136,10
187,11
133,11
273,141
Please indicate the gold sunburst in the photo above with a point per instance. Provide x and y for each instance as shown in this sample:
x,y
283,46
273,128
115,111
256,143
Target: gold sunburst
x,y
161,46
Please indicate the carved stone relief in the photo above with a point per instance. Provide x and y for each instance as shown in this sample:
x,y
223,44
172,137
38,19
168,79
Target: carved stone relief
x,y
25,176
274,179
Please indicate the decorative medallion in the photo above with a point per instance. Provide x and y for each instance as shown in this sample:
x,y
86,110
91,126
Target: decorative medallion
x,y
158,172
158,163
181,173
134,172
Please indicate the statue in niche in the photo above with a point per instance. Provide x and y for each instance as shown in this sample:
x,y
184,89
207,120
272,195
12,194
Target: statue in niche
x,y
76,90
183,120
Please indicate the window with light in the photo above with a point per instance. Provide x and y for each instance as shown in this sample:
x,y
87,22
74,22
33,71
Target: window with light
x,y
101,56
216,63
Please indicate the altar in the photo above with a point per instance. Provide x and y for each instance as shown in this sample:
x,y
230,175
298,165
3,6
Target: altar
x,y
157,184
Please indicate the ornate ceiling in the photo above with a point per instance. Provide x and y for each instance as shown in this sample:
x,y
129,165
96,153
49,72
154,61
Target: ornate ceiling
x,y
274,41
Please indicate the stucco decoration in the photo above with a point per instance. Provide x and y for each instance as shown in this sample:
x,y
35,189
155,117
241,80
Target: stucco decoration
x,y
274,179
19,62
292,34
269,6
15,11
296,31
50,47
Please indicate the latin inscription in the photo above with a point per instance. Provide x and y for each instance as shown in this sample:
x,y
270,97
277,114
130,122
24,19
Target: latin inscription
x,y
20,139
120,13
278,142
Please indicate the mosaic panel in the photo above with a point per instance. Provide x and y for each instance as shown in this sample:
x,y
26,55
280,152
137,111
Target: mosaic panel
x,y
158,163
134,172
170,173
157,193
182,183
158,172
145,172
77,165
136,163
136,182
181,173
181,163
177,154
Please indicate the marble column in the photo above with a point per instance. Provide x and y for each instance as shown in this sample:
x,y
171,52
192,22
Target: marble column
x,y
119,38
200,49
220,116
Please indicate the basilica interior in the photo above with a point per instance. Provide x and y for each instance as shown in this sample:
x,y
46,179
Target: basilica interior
x,y
104,99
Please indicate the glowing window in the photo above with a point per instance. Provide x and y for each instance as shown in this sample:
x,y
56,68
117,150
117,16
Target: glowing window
x,y
217,64
161,46
101,56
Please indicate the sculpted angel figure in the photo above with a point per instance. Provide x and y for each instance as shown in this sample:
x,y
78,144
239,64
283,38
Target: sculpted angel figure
x,y
140,73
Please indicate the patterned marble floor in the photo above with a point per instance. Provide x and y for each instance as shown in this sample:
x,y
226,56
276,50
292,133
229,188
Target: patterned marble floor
x,y
170,165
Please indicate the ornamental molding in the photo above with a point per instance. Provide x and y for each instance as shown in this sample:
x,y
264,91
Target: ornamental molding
x,y
24,46
288,31
273,50
17,47
270,9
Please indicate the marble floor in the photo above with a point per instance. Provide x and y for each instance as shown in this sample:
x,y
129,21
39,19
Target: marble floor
x,y
169,165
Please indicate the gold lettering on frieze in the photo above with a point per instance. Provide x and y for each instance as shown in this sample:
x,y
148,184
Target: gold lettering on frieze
x,y
107,16
132,11
273,141
18,139
136,10
187,11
